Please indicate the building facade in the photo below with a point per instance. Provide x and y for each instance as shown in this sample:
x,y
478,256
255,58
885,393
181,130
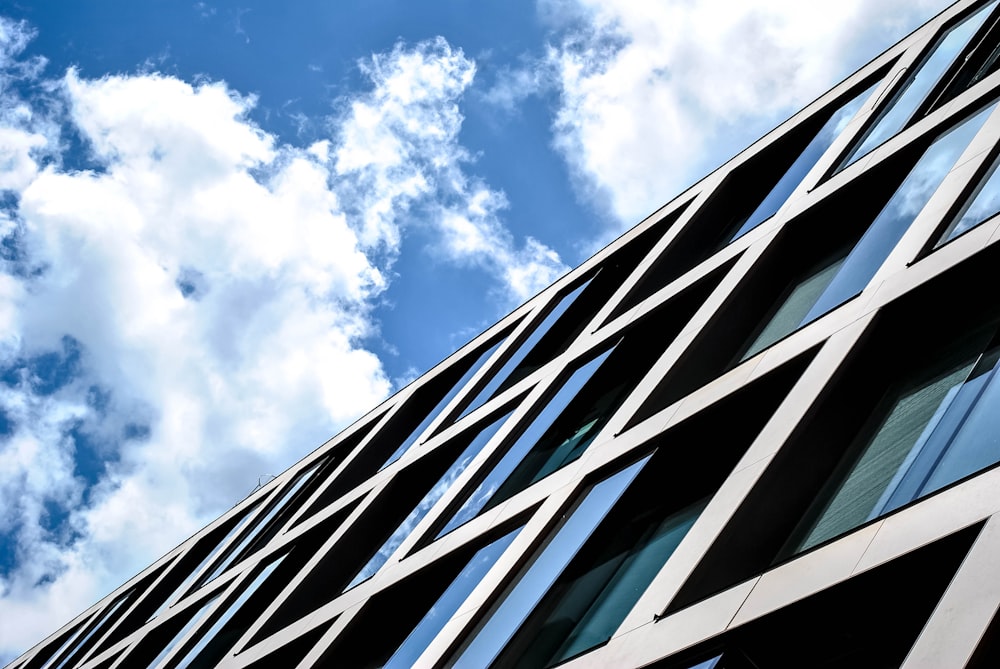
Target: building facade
x,y
758,430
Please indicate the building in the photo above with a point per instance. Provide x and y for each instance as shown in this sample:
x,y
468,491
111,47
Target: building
x,y
759,430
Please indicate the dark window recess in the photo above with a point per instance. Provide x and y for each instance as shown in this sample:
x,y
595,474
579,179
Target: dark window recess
x,y
599,562
604,580
932,427
475,440
72,649
406,617
565,425
101,665
625,261
267,522
125,619
980,204
590,574
295,560
477,360
328,578
871,419
610,276
153,646
287,502
846,626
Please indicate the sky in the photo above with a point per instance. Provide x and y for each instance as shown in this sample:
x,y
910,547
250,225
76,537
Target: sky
x,y
228,229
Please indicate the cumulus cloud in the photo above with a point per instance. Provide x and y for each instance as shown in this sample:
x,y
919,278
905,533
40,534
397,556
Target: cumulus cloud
x,y
651,91
190,310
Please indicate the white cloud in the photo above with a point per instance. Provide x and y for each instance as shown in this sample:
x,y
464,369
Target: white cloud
x,y
189,312
655,95
399,146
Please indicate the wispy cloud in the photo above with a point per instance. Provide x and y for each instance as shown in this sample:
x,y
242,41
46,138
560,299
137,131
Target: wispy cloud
x,y
398,150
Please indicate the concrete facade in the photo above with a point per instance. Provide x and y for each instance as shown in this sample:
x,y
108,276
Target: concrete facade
x,y
760,429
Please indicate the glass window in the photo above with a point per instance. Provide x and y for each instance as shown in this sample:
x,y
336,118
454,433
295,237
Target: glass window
x,y
589,601
794,304
247,542
448,603
805,162
904,206
179,636
843,275
509,373
217,641
508,617
425,505
81,644
981,206
484,495
934,428
417,432
912,92
182,588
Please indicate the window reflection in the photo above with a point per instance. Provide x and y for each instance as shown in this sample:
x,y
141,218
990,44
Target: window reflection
x,y
448,603
418,431
511,372
484,496
845,274
248,541
936,427
912,92
217,641
193,574
81,644
425,505
158,661
982,206
505,621
805,162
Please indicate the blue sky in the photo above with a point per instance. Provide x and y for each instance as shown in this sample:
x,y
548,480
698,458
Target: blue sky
x,y
228,229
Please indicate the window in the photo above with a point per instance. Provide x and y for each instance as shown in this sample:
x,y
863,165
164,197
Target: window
x,y
749,196
805,162
510,373
595,592
909,95
794,303
216,547
476,444
931,429
406,617
220,638
448,603
485,492
844,274
248,542
981,205
581,407
511,613
478,361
